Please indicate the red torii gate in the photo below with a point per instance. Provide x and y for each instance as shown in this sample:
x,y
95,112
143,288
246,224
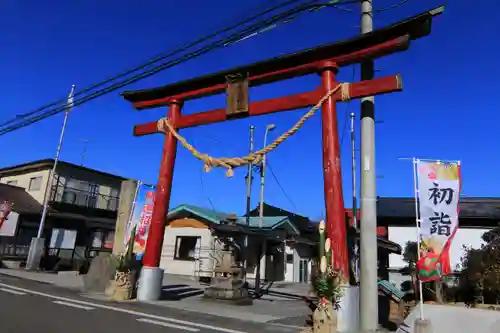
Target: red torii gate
x,y
324,60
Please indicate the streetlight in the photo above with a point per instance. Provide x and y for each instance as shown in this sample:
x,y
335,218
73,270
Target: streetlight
x,y
269,128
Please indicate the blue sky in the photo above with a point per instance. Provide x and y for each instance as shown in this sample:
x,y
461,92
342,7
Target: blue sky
x,y
447,109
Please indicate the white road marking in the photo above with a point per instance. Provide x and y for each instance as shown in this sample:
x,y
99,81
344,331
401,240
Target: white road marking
x,y
74,305
131,312
14,292
162,323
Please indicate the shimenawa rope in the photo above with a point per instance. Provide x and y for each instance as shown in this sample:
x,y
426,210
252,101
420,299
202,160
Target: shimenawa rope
x,y
230,163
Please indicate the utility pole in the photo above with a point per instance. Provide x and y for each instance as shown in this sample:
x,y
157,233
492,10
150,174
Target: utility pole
x,y
38,244
269,128
249,193
368,302
354,197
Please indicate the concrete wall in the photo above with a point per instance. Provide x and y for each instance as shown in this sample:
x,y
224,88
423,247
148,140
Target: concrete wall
x,y
24,182
454,319
127,195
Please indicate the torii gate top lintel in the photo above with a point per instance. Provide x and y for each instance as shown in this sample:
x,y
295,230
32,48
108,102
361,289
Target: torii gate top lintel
x,y
378,43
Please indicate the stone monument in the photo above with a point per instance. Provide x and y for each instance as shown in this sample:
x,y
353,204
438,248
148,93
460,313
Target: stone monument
x,y
228,283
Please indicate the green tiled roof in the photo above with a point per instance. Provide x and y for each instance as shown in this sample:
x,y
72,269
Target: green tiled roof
x,y
216,217
389,288
208,214
267,221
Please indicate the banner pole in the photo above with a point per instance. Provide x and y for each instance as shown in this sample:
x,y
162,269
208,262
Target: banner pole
x,y
417,223
128,229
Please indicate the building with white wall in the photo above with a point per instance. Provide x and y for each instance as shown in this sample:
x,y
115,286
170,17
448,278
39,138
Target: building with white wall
x,y
71,184
477,216
469,237
195,235
81,201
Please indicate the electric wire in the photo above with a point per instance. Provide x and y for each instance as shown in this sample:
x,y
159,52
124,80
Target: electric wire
x,y
402,2
233,38
380,10
133,79
160,57
202,182
279,185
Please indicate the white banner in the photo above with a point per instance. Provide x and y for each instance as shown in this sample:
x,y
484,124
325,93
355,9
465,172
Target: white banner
x,y
8,225
8,219
438,198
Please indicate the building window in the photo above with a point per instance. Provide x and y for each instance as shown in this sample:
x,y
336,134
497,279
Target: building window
x,y
69,196
102,239
185,247
97,239
113,199
12,182
35,184
91,198
81,193
289,258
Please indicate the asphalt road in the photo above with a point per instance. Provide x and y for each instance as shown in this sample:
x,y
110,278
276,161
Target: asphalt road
x,y
34,307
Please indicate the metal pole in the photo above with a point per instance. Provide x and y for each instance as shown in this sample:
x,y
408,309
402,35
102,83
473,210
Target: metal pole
x,y
249,193
56,160
354,196
37,245
368,246
417,224
269,128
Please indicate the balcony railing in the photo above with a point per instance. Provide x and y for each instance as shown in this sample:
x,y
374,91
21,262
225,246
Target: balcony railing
x,y
83,198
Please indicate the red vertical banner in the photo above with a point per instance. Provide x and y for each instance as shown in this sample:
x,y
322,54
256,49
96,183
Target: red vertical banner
x,y
143,211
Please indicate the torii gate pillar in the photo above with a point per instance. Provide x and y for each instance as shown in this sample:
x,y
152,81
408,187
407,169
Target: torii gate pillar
x,y
332,175
151,274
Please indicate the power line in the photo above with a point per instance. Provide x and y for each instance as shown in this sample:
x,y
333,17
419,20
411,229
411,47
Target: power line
x,y
160,57
202,184
220,43
281,187
385,9
118,85
402,2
